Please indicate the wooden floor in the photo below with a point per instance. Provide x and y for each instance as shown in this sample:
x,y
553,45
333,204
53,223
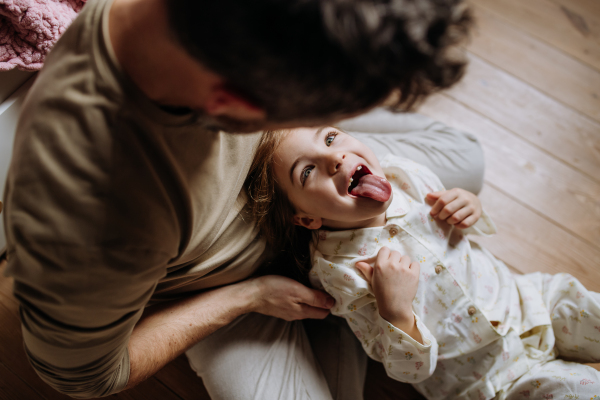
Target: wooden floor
x,y
532,96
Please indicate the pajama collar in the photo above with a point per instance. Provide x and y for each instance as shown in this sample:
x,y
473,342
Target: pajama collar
x,y
330,242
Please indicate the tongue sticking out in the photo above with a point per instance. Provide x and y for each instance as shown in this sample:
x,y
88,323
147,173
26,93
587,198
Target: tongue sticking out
x,y
374,187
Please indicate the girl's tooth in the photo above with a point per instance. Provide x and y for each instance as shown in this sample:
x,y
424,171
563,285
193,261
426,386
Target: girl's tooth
x,y
359,167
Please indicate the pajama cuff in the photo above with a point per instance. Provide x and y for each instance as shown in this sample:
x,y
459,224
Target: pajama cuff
x,y
483,227
390,330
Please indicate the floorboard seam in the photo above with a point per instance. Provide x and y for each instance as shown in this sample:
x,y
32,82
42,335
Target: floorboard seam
x,y
534,36
544,216
535,87
548,153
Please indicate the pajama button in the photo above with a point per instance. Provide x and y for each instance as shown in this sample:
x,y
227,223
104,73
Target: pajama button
x,y
393,231
438,268
472,310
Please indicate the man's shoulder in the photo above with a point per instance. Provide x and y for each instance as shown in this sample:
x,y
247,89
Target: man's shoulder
x,y
79,74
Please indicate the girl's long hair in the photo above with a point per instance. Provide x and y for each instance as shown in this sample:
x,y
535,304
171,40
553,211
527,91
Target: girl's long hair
x,y
273,211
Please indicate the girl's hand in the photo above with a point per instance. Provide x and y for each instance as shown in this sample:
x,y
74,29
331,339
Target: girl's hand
x,y
457,207
394,280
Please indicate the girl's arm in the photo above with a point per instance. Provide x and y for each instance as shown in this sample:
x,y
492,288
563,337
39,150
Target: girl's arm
x,y
394,280
404,359
388,329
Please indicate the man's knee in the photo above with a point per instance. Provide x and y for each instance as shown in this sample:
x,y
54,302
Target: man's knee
x,y
258,357
455,156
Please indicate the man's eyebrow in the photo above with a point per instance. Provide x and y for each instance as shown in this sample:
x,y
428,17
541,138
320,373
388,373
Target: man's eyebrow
x,y
295,163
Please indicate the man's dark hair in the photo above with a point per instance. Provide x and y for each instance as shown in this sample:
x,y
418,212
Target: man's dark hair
x,y
303,60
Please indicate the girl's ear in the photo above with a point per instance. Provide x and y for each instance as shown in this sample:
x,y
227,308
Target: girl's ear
x,y
308,222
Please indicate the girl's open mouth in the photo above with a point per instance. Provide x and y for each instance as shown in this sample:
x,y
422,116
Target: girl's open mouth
x,y
364,184
361,171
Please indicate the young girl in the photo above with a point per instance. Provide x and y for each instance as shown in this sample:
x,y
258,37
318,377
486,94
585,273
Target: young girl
x,y
389,243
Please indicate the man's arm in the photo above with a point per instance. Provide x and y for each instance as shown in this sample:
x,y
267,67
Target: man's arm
x,y
166,331
94,340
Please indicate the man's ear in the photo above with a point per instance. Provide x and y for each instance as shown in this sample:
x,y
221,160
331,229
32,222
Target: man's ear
x,y
308,222
225,102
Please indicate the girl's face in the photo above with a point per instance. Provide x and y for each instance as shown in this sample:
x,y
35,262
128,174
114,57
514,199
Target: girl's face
x,y
317,168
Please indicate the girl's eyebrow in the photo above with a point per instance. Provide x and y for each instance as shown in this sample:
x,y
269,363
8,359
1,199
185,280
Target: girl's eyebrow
x,y
295,163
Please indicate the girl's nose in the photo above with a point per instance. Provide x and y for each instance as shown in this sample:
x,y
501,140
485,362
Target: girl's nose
x,y
335,162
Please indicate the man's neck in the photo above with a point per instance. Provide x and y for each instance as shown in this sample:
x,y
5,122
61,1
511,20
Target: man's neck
x,y
150,56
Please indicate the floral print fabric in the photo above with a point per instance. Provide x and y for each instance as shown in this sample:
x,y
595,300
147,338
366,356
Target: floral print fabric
x,y
470,309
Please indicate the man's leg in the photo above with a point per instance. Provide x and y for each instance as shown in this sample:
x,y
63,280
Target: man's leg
x,y
262,358
455,156
340,356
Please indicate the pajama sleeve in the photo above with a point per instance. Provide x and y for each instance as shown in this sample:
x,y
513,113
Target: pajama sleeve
x,y
483,227
404,358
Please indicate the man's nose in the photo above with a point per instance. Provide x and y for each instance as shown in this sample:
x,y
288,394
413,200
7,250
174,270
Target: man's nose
x,y
335,162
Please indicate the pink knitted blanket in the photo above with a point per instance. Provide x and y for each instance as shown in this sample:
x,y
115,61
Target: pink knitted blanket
x,y
29,29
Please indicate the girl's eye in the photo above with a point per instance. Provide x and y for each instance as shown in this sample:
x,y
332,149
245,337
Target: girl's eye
x,y
329,138
305,173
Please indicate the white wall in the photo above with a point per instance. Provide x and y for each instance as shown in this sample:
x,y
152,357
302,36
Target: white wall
x,y
10,82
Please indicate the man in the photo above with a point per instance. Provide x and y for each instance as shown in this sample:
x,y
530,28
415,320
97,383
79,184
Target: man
x,y
125,185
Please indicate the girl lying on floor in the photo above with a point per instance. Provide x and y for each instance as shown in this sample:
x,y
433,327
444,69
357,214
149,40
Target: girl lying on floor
x,y
389,243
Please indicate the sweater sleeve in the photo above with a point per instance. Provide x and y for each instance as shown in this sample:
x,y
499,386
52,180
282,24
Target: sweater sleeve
x,y
78,308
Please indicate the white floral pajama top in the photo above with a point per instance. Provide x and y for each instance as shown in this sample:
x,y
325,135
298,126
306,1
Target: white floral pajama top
x,y
468,309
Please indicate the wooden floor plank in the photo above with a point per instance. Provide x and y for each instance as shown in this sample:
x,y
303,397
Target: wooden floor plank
x,y
590,8
13,388
552,188
551,71
560,24
596,366
540,182
181,379
530,243
537,118
150,389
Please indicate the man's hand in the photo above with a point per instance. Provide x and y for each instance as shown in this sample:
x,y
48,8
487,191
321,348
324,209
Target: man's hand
x,y
167,330
394,280
287,299
457,207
